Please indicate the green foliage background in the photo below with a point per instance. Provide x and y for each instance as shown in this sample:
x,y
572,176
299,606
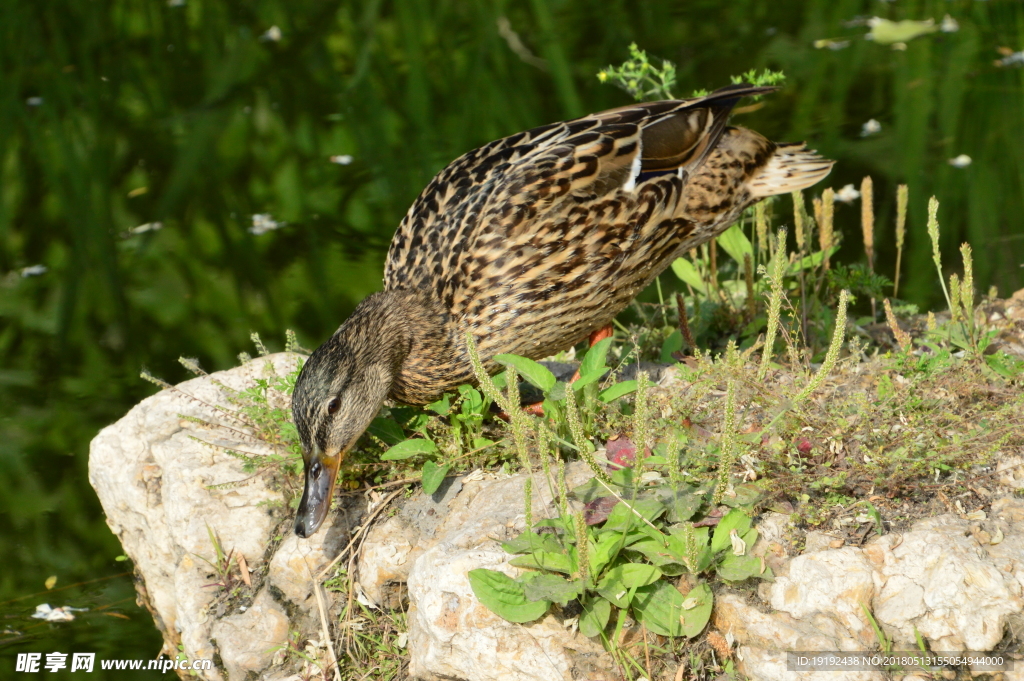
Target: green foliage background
x,y
186,100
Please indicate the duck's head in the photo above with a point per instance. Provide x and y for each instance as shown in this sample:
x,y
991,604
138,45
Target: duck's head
x,y
339,391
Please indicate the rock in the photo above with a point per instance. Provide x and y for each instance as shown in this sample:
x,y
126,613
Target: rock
x,y
939,581
246,641
817,541
957,582
163,492
1010,471
826,588
763,640
443,608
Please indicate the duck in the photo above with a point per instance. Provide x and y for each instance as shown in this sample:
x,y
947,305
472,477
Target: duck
x,y
528,244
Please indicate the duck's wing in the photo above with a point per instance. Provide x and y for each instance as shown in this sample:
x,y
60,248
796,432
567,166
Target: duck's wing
x,y
500,190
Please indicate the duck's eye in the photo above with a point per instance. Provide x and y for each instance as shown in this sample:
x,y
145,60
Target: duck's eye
x,y
333,406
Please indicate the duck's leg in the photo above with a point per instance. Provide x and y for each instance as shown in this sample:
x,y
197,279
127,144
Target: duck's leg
x,y
596,337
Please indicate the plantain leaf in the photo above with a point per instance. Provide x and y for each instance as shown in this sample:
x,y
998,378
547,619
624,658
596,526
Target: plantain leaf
x,y
685,270
616,391
409,448
504,596
433,476
535,374
596,612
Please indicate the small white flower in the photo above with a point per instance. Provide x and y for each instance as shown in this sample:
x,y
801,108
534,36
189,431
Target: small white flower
x,y
263,223
342,159
34,101
273,34
175,3
949,25
870,128
961,161
34,270
847,194
146,227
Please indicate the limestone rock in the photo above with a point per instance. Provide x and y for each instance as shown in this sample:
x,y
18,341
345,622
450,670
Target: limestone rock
x,y
247,641
828,588
163,480
939,580
451,635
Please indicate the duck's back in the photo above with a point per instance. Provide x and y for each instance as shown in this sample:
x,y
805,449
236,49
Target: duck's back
x,y
535,240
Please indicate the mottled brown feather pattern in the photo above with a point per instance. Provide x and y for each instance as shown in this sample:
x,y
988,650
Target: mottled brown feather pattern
x,y
535,240
530,243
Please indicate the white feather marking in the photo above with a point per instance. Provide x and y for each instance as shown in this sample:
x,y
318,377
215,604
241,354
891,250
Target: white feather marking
x,y
634,170
792,167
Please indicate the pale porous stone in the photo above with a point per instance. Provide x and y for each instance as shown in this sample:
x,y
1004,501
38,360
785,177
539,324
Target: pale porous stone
x,y
159,487
939,580
763,640
958,583
247,641
451,635
959,593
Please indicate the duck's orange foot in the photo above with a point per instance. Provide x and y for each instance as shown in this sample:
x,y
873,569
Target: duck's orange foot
x,y
604,332
595,338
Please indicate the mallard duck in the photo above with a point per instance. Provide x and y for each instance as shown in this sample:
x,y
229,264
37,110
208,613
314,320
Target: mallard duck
x,y
530,243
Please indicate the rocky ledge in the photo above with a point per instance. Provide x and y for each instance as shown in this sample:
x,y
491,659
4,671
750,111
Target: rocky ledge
x,y
175,497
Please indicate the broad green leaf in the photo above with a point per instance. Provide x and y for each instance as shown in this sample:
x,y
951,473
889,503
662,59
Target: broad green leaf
x,y
736,244
733,520
685,270
504,596
545,560
673,343
528,542
633,575
586,379
386,430
472,400
604,550
409,448
595,357
683,504
442,406
433,476
659,606
534,373
595,615
614,590
737,568
624,515
1005,365
696,610
745,494
616,391
548,587
657,552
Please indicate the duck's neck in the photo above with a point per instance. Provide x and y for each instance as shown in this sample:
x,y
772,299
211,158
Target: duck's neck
x,y
410,333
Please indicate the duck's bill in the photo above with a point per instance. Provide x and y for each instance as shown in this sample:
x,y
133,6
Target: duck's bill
x,y
321,472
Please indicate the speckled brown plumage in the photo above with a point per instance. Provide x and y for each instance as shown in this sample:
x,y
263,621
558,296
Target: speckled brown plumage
x,y
535,240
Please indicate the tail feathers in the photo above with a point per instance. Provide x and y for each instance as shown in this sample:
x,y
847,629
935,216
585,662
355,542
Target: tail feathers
x,y
791,168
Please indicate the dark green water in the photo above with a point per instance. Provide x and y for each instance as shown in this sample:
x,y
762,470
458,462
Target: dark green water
x,y
121,113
